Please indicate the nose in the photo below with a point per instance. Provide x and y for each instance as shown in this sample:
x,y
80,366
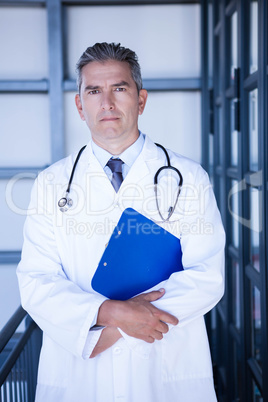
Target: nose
x,y
107,101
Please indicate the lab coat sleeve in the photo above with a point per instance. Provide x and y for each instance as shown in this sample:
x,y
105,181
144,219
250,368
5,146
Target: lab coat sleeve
x,y
63,310
194,291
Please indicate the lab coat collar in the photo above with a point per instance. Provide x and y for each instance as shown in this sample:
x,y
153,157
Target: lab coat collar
x,y
138,171
149,152
140,167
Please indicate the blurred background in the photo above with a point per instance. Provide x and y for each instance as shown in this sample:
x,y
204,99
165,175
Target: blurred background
x,y
204,64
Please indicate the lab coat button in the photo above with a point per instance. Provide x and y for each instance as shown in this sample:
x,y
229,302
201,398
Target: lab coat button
x,y
117,350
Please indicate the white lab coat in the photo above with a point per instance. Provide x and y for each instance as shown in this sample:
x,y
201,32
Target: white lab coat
x,y
60,254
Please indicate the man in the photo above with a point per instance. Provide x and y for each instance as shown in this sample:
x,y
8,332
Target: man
x,y
152,347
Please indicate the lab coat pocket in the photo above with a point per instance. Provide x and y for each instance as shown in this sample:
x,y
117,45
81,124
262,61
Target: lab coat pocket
x,y
54,364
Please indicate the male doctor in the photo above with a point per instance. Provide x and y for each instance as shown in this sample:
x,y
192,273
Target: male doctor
x,y
152,347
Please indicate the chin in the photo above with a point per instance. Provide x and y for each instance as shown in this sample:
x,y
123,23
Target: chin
x,y
111,132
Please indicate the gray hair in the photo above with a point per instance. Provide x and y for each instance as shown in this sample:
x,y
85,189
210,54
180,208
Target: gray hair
x,y
104,51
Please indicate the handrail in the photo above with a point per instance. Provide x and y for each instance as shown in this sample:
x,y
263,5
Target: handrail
x,y
13,356
18,369
11,326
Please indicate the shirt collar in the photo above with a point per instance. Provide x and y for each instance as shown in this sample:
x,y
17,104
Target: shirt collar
x,y
128,156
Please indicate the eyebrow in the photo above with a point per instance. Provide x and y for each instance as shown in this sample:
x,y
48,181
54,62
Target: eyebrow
x,y
121,84
91,87
118,84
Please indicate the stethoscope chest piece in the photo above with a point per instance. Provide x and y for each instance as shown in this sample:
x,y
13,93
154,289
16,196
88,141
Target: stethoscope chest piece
x,y
65,203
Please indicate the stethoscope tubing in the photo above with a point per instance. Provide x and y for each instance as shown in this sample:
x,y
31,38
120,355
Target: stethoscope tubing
x,y
66,202
74,167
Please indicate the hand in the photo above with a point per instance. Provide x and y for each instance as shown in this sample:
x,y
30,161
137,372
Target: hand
x,y
137,317
109,336
143,320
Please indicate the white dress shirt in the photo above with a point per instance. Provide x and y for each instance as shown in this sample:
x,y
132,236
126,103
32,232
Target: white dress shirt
x,y
128,156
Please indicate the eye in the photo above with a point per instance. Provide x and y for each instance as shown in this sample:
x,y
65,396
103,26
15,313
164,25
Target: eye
x,y
94,92
120,89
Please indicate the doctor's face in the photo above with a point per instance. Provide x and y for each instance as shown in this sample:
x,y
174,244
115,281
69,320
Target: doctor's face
x,y
109,103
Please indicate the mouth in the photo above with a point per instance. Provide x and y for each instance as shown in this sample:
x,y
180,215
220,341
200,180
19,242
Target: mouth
x,y
107,119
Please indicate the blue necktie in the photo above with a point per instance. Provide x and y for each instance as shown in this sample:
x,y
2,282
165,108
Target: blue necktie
x,y
116,167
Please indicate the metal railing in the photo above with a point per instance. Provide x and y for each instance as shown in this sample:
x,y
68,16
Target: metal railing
x,y
19,355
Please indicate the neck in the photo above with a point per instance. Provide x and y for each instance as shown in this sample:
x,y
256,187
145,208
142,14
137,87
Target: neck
x,y
116,146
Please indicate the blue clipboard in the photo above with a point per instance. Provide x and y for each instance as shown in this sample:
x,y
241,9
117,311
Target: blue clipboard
x,y
139,255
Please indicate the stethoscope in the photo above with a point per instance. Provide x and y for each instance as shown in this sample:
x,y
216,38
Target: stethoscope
x,y
66,202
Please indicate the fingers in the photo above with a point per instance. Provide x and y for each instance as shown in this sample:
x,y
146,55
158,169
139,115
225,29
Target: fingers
x,y
166,317
162,327
158,335
149,339
139,318
155,335
151,296
160,314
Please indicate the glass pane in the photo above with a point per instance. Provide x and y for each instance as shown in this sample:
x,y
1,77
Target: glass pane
x,y
221,345
253,63
217,67
223,304
253,130
235,213
256,324
24,128
216,5
211,149
236,294
76,131
23,43
14,200
234,42
166,39
9,293
166,124
221,137
234,136
222,203
255,227
237,373
257,397
169,124
210,40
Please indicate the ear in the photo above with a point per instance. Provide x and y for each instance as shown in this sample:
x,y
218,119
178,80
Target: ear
x,y
79,106
143,95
